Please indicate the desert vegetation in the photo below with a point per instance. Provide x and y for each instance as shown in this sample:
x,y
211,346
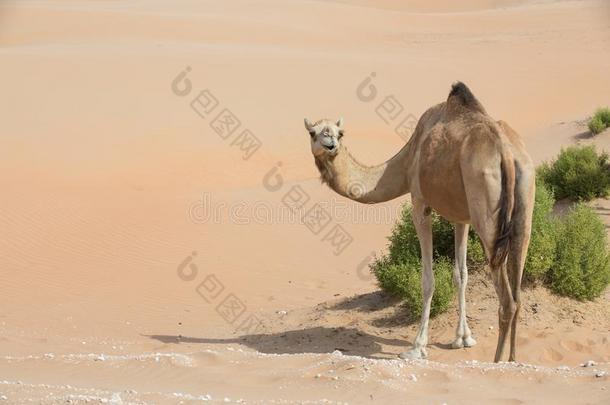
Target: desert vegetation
x,y
581,268
568,253
600,120
579,173
403,279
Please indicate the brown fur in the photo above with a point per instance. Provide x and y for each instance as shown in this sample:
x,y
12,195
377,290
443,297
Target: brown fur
x,y
326,175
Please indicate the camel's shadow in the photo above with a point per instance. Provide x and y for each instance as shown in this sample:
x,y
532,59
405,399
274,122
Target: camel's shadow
x,y
584,135
320,339
349,341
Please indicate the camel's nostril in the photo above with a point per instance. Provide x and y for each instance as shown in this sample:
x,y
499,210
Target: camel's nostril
x,y
329,147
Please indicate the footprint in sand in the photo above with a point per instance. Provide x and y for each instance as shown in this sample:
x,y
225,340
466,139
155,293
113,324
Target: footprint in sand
x,y
550,354
573,346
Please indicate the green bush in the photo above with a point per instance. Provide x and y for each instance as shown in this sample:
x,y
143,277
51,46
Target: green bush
x,y
475,252
404,243
604,114
596,125
399,273
404,280
543,241
600,120
443,235
444,241
579,173
582,268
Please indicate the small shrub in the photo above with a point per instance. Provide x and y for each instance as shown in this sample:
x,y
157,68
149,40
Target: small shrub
x,y
405,244
444,241
475,252
600,120
404,280
389,277
399,272
596,125
604,114
579,173
443,237
582,268
543,241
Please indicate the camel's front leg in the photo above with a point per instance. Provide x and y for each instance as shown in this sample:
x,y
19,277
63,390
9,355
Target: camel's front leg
x,y
463,336
423,226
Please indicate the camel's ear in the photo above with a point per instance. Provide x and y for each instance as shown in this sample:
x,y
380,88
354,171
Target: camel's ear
x,y
308,125
340,123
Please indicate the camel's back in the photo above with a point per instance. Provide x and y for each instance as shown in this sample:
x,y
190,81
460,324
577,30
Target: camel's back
x,y
438,164
452,134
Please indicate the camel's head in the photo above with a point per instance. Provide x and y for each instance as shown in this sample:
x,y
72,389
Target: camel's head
x,y
325,136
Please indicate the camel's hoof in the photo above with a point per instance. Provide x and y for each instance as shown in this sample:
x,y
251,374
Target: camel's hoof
x,y
414,354
461,342
469,341
458,343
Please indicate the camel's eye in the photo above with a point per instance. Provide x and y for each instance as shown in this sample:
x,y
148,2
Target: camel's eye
x,y
312,133
340,134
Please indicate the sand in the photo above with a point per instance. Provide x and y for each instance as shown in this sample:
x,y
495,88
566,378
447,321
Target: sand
x,y
115,280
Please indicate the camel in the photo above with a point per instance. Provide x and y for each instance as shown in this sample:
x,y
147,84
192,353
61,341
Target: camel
x,y
468,168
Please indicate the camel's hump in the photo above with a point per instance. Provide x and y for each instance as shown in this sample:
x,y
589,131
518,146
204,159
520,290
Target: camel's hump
x,y
461,96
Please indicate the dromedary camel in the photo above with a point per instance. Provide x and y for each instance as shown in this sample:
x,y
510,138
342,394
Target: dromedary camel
x,y
468,168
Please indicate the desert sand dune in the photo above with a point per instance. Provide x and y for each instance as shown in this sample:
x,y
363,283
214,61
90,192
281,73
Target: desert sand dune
x,y
112,270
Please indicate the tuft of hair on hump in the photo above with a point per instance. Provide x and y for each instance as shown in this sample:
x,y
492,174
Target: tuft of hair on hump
x,y
461,96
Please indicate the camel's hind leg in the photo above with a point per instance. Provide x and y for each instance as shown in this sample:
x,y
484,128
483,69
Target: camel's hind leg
x,y
515,279
500,193
423,226
486,230
484,189
522,228
507,309
516,261
463,335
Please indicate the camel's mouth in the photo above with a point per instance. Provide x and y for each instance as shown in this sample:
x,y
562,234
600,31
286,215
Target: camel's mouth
x,y
332,149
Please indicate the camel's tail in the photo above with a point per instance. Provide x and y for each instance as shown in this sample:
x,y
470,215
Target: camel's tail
x,y
507,207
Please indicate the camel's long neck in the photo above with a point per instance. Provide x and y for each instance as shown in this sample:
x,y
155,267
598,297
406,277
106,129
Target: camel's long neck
x,y
366,184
